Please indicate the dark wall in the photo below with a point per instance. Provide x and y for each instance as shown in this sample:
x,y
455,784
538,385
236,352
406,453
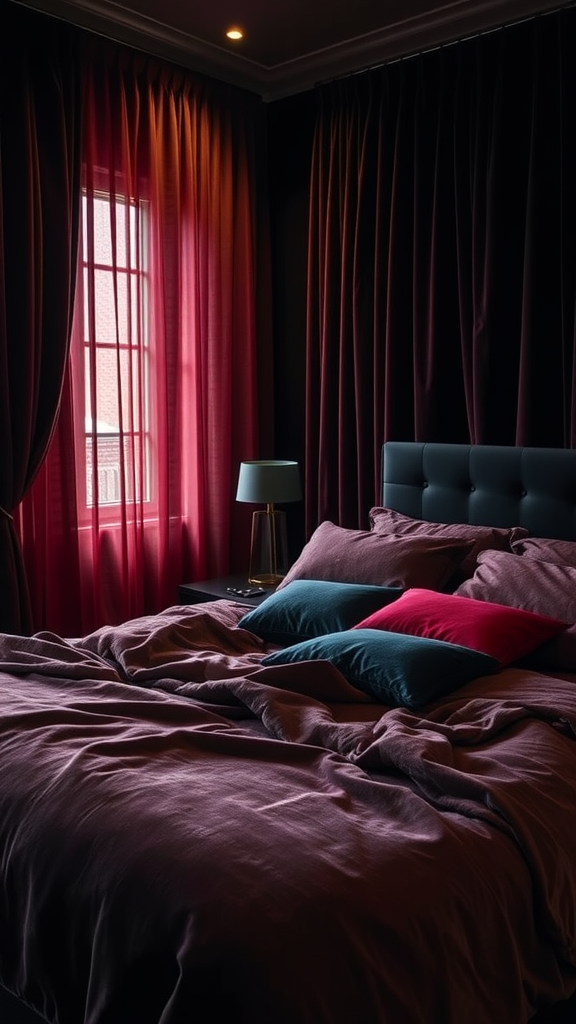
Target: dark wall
x,y
290,132
14,1012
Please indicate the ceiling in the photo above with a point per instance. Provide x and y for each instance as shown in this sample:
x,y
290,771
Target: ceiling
x,y
289,45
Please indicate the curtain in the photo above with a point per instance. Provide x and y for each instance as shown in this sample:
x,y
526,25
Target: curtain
x,y
39,166
441,258
159,403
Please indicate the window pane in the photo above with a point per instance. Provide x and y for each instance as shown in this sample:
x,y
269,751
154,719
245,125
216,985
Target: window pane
x,y
113,314
109,222
118,383
116,353
104,483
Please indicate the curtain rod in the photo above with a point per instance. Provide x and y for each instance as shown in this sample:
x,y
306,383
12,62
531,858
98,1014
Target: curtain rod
x,y
449,42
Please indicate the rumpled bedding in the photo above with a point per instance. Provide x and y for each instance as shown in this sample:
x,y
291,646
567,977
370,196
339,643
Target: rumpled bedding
x,y
187,836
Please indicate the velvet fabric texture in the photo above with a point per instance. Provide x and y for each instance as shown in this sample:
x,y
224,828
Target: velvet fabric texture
x,y
441,294
39,215
398,670
504,633
309,608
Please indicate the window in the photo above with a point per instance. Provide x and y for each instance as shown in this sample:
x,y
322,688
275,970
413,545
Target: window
x,y
112,375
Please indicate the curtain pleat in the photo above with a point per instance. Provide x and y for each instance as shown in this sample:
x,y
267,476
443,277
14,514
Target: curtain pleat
x,y
442,257
39,172
169,188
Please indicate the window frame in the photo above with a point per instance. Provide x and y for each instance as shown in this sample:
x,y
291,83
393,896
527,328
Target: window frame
x,y
136,484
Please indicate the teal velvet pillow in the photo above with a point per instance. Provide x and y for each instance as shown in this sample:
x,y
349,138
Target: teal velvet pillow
x,y
395,668
309,608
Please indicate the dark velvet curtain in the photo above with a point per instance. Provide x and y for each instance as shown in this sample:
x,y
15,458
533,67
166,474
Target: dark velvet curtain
x,y
39,175
442,258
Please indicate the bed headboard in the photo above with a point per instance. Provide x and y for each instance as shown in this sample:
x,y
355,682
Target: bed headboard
x,y
487,485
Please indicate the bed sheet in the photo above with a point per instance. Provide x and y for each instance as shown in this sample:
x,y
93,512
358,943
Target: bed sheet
x,y
187,835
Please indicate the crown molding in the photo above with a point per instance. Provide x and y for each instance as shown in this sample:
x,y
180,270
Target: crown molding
x,y
446,24
113,21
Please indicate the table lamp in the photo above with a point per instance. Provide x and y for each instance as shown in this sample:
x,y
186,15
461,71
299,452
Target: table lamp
x,y
267,482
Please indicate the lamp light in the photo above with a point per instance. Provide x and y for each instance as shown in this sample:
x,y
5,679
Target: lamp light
x,y
266,483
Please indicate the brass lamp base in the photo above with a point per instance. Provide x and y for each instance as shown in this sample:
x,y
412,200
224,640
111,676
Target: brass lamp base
x,y
268,548
266,579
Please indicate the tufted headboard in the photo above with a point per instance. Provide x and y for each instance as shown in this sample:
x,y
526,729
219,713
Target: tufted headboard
x,y
486,485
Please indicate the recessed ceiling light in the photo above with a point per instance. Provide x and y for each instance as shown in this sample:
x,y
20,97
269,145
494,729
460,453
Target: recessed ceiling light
x,y
235,33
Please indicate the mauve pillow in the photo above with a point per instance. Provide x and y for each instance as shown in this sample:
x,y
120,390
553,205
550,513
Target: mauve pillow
x,y
545,549
482,538
503,632
543,587
363,556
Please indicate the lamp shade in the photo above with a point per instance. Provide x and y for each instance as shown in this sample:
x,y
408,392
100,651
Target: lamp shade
x,y
269,482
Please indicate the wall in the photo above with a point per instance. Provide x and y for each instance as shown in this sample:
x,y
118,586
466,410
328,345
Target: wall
x,y
290,135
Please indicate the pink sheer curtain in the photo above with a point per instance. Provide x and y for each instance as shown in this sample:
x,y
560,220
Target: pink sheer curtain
x,y
159,402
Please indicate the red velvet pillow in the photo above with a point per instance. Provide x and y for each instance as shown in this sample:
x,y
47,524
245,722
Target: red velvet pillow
x,y
389,521
504,633
363,556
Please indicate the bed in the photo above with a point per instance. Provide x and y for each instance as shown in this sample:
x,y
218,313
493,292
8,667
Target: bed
x,y
352,804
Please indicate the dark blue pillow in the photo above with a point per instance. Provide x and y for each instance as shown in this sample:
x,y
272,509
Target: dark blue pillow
x,y
395,668
308,608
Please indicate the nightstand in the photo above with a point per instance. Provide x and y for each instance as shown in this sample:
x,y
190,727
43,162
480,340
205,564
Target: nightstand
x,y
212,590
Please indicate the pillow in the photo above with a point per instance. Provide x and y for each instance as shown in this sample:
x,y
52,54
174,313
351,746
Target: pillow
x,y
362,556
389,521
542,587
308,608
504,633
556,655
563,552
395,669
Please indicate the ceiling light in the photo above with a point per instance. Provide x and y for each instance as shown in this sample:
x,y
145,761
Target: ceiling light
x,y
234,33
